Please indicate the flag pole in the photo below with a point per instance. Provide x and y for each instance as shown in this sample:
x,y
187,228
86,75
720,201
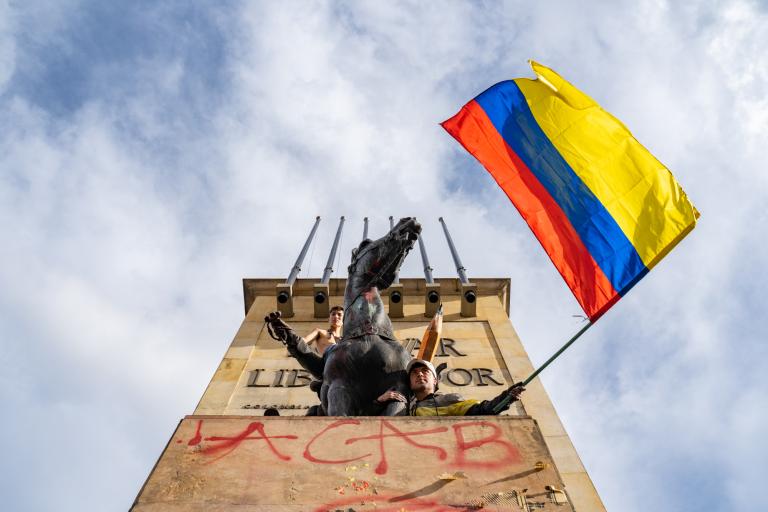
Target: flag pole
x,y
532,376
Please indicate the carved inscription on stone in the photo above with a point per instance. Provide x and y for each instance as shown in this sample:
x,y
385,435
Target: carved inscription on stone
x,y
282,378
448,347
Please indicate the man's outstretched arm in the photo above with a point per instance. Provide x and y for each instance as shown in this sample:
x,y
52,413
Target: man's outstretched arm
x,y
487,407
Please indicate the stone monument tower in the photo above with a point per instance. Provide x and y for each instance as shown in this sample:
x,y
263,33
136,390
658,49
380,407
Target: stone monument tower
x,y
227,455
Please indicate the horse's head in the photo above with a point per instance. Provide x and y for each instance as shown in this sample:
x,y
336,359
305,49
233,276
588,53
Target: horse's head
x,y
375,262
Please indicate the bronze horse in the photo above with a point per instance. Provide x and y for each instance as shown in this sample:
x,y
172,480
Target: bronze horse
x,y
368,360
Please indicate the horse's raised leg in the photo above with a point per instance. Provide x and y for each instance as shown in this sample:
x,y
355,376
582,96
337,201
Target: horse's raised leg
x,y
340,401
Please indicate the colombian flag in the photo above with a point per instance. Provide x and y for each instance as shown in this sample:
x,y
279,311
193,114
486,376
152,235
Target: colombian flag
x,y
604,208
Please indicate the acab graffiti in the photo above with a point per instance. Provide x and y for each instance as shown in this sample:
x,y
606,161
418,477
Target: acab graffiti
x,y
461,445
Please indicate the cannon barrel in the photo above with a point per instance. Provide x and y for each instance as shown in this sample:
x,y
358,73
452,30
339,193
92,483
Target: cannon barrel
x,y
332,256
284,296
469,295
456,260
425,261
432,295
395,296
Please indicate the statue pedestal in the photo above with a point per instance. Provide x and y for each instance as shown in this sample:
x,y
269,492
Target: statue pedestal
x,y
363,463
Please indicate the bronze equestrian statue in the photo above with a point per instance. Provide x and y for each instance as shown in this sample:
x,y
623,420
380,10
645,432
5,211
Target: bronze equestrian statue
x,y
368,360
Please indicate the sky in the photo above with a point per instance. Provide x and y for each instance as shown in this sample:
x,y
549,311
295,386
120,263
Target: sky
x,y
154,154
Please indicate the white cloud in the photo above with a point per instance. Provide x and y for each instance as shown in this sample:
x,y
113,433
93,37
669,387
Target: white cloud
x,y
736,46
7,45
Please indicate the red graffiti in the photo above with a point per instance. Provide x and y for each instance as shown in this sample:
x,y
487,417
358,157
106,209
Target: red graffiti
x,y
198,437
381,467
308,455
411,505
512,453
504,453
228,444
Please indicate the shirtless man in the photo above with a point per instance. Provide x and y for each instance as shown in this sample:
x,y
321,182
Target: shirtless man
x,y
322,338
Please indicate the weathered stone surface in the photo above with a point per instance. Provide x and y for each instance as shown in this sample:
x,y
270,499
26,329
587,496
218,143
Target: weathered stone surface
x,y
371,463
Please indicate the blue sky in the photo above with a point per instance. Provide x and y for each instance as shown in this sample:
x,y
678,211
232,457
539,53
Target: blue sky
x,y
152,156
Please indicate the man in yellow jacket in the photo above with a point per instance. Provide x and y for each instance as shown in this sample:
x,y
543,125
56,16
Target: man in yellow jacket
x,y
427,402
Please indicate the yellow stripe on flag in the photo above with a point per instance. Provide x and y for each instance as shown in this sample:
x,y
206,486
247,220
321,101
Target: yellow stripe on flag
x,y
637,190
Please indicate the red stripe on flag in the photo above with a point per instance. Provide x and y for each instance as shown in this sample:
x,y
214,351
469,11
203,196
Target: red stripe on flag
x,y
475,131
